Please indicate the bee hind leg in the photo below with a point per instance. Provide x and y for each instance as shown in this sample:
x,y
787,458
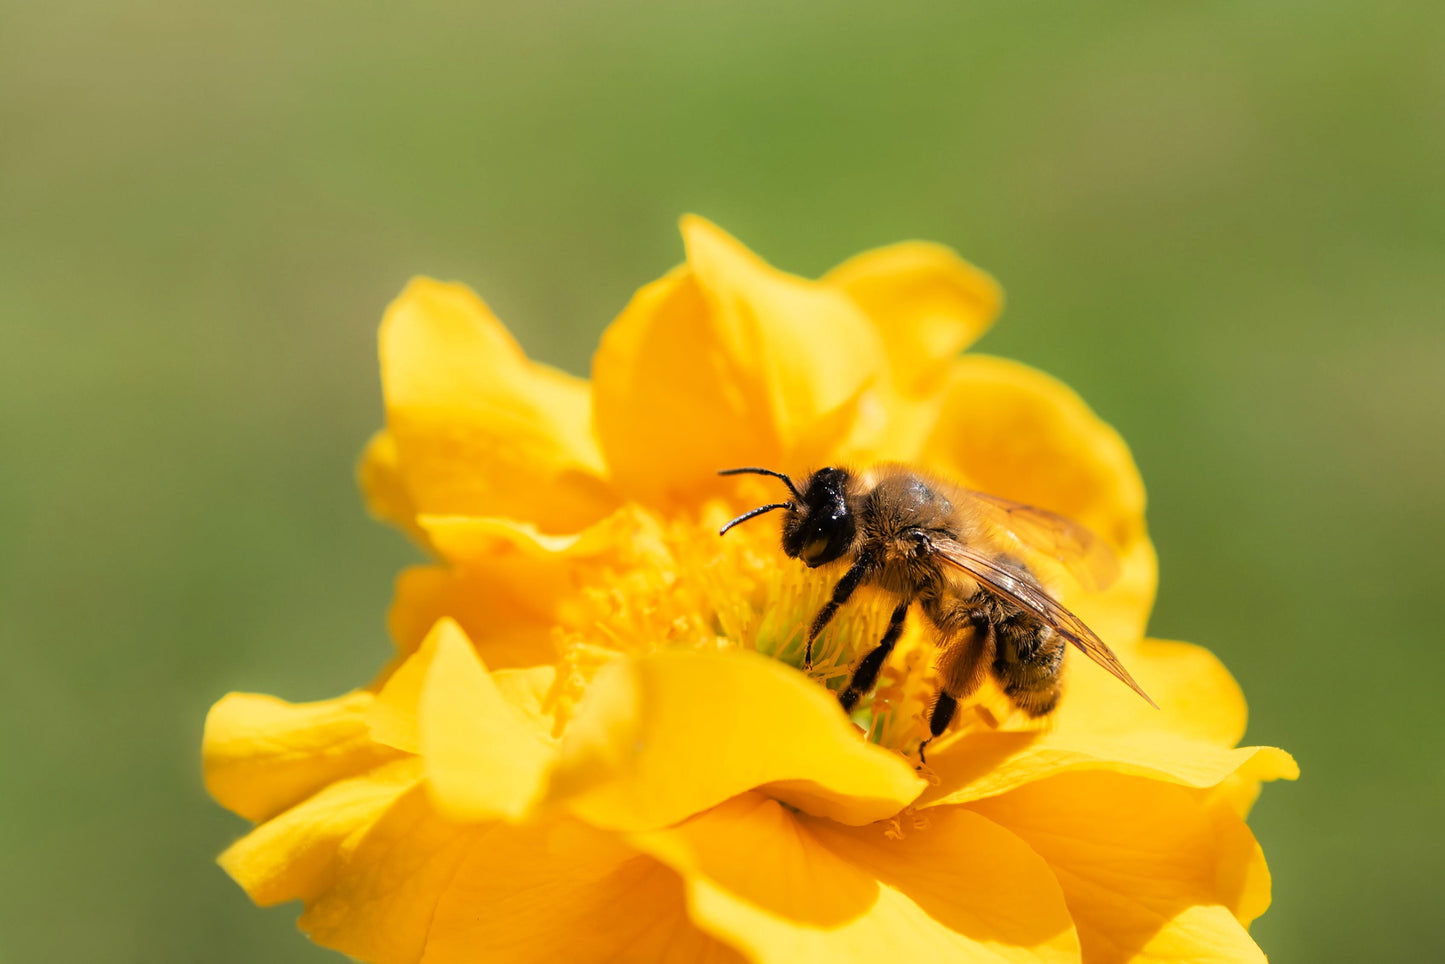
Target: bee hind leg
x,y
961,668
866,674
943,709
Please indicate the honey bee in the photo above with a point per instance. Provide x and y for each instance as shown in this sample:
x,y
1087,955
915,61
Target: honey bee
x,y
952,551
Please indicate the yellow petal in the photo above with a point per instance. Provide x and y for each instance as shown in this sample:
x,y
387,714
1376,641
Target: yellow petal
x,y
538,570
1011,430
562,891
394,717
1198,698
479,429
416,887
476,540
969,874
1240,789
662,737
787,888
726,362
505,629
1241,875
511,583
485,757
293,856
263,755
1149,874
472,539
1238,792
928,303
384,488
514,559
528,691
1016,432
393,714
987,763
383,893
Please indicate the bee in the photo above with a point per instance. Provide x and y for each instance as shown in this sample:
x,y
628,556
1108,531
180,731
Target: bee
x,y
951,550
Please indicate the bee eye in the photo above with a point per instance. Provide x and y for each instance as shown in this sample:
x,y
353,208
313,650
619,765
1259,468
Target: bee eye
x,y
815,547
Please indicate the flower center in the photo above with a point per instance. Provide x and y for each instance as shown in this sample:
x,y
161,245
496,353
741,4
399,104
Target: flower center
x,y
678,583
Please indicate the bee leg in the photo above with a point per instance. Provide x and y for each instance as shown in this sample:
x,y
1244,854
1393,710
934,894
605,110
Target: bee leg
x,y
851,580
943,709
961,668
867,672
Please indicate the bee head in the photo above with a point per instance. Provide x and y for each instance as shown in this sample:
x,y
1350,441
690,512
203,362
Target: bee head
x,y
818,526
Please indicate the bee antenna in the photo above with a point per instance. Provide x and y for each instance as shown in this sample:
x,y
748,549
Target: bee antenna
x,y
777,475
752,512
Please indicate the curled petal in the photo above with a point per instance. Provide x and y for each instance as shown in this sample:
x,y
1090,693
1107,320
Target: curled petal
x,y
788,888
1237,792
262,755
478,428
725,362
928,303
1148,872
661,737
474,539
987,763
292,856
501,546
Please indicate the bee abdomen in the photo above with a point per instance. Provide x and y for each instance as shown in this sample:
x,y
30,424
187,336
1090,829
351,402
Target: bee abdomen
x,y
1035,700
1028,663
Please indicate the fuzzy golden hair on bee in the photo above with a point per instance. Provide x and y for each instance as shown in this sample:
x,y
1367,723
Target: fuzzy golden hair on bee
x,y
957,555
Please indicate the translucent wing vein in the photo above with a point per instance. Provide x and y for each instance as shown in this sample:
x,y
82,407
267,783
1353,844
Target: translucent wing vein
x,y
1087,557
1031,598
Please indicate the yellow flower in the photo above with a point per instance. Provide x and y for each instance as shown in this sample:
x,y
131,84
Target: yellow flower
x,y
596,743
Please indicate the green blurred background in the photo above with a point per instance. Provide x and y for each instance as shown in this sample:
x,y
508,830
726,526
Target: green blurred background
x,y
1223,223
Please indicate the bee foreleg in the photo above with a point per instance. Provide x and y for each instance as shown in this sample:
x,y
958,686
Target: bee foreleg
x,y
851,580
867,672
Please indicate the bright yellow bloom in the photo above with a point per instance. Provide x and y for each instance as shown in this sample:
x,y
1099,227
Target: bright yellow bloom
x,y
596,745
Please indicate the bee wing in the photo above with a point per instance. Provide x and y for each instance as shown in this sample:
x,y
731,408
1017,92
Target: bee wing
x,y
1087,557
1029,597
